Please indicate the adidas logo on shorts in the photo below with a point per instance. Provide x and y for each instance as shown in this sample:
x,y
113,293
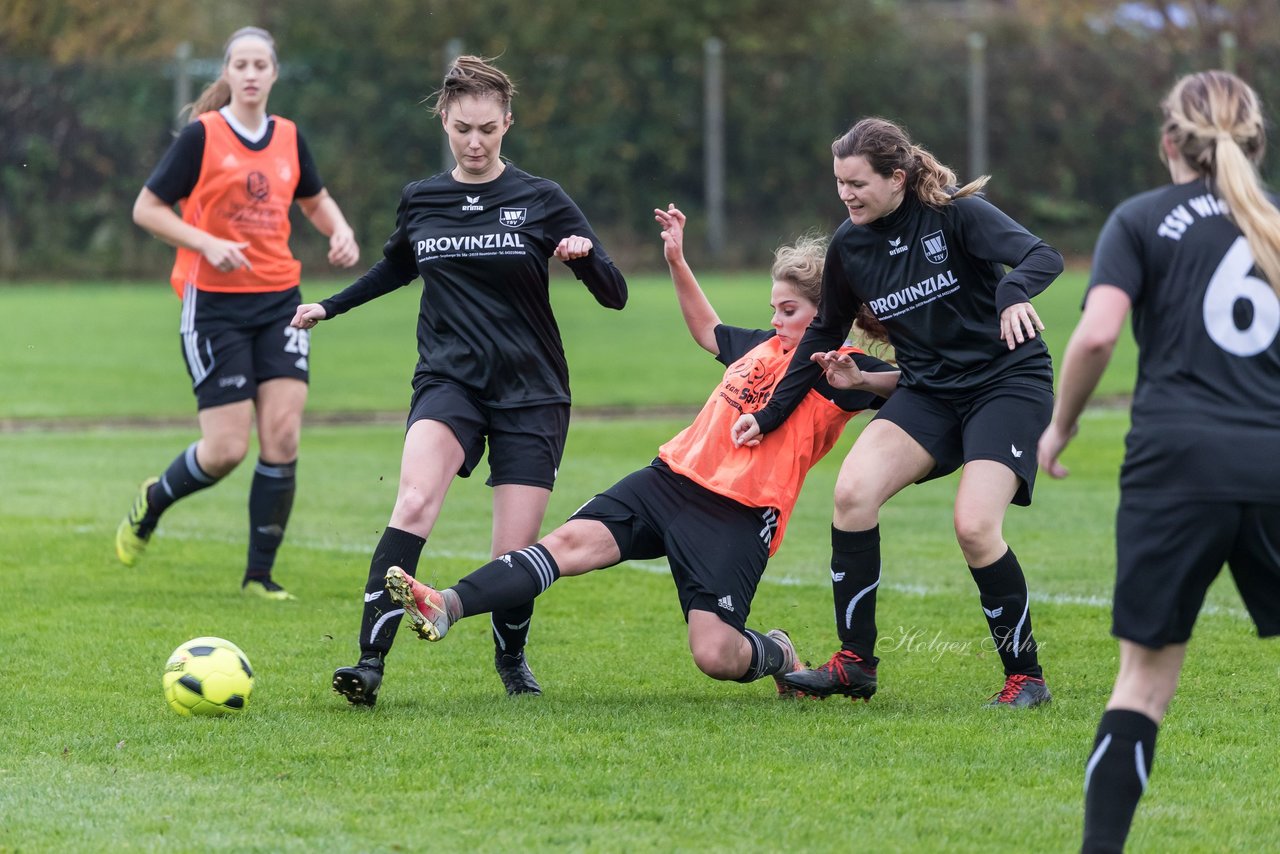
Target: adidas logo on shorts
x,y
725,602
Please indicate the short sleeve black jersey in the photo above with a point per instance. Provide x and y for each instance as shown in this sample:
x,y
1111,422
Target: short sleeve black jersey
x,y
482,251
936,279
176,174
1206,406
736,341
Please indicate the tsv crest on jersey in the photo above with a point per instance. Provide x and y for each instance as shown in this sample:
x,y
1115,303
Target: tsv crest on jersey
x,y
935,247
512,217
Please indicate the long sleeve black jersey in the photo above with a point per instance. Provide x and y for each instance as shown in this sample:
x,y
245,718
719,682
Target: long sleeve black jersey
x,y
482,251
1206,407
936,279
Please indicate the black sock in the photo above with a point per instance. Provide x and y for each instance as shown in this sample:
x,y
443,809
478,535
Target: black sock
x,y
1116,777
270,502
507,582
855,575
1002,590
511,629
767,656
183,477
381,616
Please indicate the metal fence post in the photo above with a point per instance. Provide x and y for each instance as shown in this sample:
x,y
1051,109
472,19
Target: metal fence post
x,y
452,50
713,144
977,105
181,81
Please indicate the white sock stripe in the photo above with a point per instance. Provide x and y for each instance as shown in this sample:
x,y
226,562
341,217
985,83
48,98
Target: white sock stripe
x,y
1140,763
540,565
193,467
497,635
270,470
1095,759
377,627
853,603
1017,630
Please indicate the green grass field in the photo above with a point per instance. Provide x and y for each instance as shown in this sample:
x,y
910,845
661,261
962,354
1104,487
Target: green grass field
x,y
630,748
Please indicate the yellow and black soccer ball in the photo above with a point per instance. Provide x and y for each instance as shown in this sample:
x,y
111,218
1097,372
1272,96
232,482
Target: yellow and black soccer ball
x,y
208,676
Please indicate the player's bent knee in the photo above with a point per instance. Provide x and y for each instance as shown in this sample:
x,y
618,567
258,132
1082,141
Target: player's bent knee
x,y
716,664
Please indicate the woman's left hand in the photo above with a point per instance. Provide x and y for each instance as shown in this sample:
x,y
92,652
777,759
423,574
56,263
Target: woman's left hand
x,y
839,369
573,247
343,249
1019,323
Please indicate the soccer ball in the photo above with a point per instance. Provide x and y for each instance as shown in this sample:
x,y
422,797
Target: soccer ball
x,y
208,676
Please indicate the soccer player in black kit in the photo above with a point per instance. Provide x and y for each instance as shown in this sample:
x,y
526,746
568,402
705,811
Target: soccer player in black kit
x,y
1198,261
928,260
491,366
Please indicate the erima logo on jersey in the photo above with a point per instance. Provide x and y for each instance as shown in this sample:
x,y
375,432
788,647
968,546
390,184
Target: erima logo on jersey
x,y
935,247
512,217
1016,453
725,602
473,204
468,242
898,248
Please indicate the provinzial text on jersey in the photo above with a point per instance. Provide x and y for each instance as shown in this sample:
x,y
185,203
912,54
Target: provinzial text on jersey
x,y
469,242
911,296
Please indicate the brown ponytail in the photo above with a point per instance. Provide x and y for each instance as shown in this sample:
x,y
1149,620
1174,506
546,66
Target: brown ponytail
x,y
887,147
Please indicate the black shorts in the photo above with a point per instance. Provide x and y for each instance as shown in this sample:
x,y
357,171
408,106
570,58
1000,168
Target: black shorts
x,y
1168,552
1002,422
526,443
716,547
232,342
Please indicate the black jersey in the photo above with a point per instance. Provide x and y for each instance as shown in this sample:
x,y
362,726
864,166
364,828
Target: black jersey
x,y
1206,406
736,341
936,279
176,174
482,251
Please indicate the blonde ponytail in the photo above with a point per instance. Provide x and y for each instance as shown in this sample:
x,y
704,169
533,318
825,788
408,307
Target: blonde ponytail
x,y
1214,119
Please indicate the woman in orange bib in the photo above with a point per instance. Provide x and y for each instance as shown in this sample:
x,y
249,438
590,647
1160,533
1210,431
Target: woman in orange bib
x,y
234,172
716,512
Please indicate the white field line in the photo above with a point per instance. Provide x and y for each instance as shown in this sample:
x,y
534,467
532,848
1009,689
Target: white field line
x,y
659,567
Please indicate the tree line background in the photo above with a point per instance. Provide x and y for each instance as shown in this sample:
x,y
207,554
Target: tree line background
x,y
610,106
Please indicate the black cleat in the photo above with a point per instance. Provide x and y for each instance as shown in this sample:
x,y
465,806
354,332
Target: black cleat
x,y
517,678
1022,692
359,684
846,673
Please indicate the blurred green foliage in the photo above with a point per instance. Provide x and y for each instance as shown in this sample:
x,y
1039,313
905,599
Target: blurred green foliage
x,y
610,106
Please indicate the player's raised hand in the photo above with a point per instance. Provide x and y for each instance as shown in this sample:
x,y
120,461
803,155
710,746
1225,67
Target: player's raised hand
x,y
672,221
